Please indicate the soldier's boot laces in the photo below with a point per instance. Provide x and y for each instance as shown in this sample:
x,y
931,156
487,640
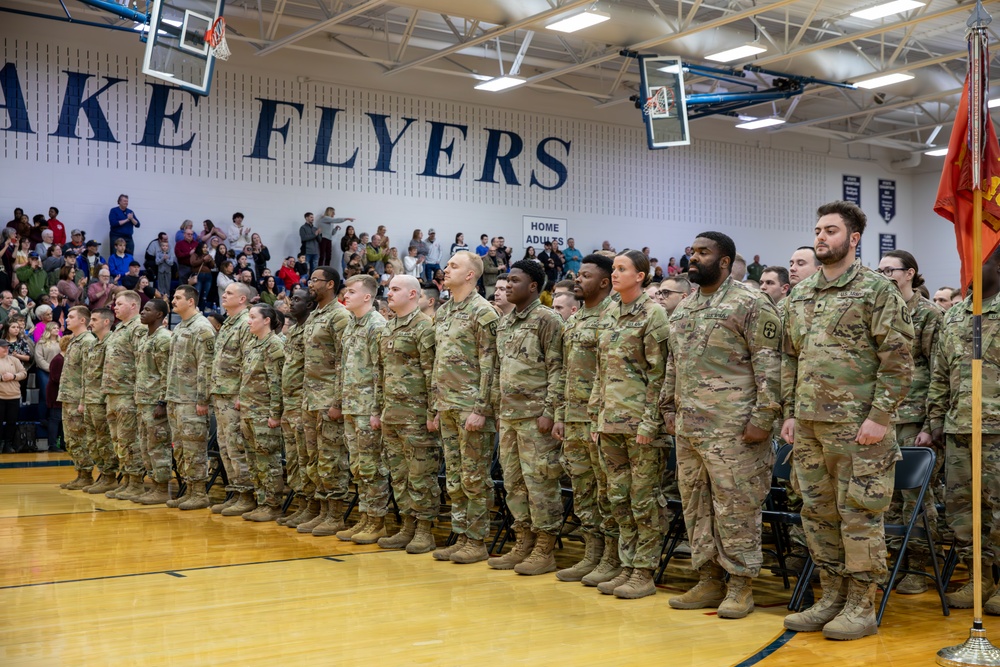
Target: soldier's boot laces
x,y
541,558
106,482
914,584
609,567
159,494
444,553
857,618
825,609
593,549
373,532
263,513
348,534
309,512
739,598
473,551
247,502
198,500
135,488
233,498
963,598
639,585
423,539
122,485
322,511
608,587
524,542
84,478
710,590
333,520
402,536
176,502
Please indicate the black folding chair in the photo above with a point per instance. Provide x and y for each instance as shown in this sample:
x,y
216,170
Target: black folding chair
x,y
777,514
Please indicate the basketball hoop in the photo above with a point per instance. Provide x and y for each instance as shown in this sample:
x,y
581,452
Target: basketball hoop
x,y
216,38
658,103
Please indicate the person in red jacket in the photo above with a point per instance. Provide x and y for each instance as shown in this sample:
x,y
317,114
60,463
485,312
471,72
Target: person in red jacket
x,y
287,273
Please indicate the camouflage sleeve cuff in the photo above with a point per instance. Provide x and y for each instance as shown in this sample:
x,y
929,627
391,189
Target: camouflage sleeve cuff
x,y
763,420
648,431
879,416
936,424
549,414
787,412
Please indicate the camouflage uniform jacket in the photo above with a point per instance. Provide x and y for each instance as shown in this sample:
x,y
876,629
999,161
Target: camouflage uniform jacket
x,y
926,324
151,359
120,357
724,368
630,368
949,398
528,367
93,372
361,343
404,393
231,345
291,371
72,381
260,385
192,347
322,355
580,362
846,349
465,335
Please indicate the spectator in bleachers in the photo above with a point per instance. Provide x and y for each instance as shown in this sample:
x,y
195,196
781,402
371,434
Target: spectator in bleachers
x,y
46,349
23,303
239,235
42,247
412,263
243,264
186,225
90,262
268,290
261,255
287,273
99,293
309,235
119,260
123,223
58,305
329,225
23,250
53,261
57,228
75,243
459,244
43,317
34,276
529,253
209,231
12,372
484,245
131,279
183,250
349,238
201,267
395,261
376,254
572,257
21,345
67,286
37,227
432,261
247,278
492,268
165,263
53,430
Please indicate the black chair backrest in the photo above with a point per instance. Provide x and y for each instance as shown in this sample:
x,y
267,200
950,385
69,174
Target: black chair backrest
x,y
917,464
783,463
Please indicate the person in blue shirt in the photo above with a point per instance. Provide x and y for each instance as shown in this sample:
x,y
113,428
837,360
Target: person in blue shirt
x,y
572,258
90,262
123,222
484,245
119,260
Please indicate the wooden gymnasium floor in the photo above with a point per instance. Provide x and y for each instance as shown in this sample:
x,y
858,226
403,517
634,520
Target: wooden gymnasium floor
x,y
86,580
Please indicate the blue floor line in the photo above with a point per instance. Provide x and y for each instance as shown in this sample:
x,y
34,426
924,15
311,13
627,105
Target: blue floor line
x,y
780,641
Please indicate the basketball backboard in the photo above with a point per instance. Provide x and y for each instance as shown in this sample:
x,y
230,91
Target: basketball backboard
x,y
176,50
664,109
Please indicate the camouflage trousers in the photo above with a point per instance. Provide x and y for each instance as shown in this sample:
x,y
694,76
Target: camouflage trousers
x,y
413,457
531,472
467,458
263,450
723,482
75,434
295,450
904,500
154,442
232,448
846,489
634,472
958,494
327,467
124,428
190,433
95,418
581,460
368,465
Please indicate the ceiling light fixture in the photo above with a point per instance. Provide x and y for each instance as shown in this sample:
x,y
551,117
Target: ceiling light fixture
x,y
886,9
886,80
937,152
761,122
500,83
738,53
579,21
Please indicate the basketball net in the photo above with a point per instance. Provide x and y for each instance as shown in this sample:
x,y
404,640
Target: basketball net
x,y
216,38
658,103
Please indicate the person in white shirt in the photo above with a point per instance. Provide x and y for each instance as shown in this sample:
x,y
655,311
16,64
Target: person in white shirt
x,y
412,264
239,236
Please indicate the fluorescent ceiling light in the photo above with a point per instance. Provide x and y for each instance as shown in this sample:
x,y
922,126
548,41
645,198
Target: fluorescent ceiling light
x,y
992,104
937,152
886,9
886,80
579,21
762,122
738,53
500,83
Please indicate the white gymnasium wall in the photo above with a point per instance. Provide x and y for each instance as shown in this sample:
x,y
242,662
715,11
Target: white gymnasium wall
x,y
934,237
614,188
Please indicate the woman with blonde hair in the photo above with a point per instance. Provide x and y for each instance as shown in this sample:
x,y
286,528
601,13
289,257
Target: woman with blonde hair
x,y
46,349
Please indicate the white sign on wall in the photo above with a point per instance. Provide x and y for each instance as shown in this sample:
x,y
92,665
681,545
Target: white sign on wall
x,y
537,230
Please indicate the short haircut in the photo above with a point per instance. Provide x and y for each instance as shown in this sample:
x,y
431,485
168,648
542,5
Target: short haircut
x,y
122,195
42,310
237,215
567,295
159,305
812,250
307,214
432,292
368,283
244,289
105,314
55,209
534,271
82,311
683,283
779,271
725,244
567,284
187,292
330,273
603,263
475,261
131,296
409,282
851,213
640,262
956,292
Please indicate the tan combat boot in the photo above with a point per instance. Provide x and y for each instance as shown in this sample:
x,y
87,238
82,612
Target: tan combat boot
x,y
739,598
333,520
524,542
402,537
84,479
79,476
322,510
134,489
914,584
246,502
608,587
122,485
159,494
825,610
309,512
423,539
608,568
857,618
444,553
263,513
233,498
299,507
106,482
541,559
176,502
593,549
372,533
992,606
348,533
963,597
473,551
710,590
639,585
198,500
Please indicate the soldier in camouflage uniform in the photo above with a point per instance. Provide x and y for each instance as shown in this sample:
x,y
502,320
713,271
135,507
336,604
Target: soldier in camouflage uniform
x,y
327,467
71,396
846,366
721,395
151,359
192,347
912,427
356,397
404,397
259,405
465,329
624,408
301,305
526,394
95,413
581,456
119,387
950,414
231,345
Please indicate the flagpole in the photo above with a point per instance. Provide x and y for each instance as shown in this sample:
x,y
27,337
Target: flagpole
x,y
977,650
